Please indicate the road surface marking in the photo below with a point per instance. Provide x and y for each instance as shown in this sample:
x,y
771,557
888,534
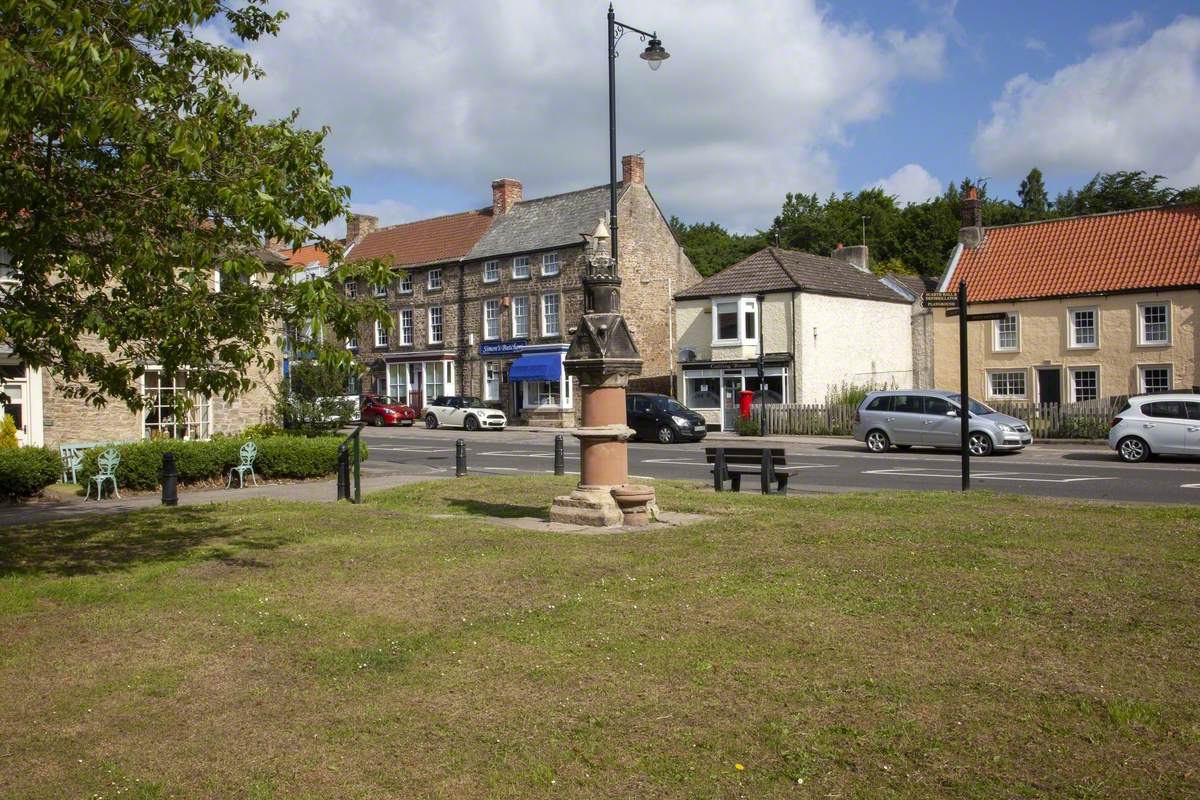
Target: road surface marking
x,y
917,472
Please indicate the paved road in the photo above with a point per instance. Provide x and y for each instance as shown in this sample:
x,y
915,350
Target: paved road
x,y
827,464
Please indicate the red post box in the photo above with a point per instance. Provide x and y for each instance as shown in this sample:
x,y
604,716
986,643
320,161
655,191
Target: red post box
x,y
745,401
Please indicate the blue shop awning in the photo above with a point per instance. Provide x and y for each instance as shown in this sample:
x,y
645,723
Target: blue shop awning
x,y
536,367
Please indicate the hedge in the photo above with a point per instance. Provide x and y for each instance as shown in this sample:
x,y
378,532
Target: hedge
x,y
25,471
278,457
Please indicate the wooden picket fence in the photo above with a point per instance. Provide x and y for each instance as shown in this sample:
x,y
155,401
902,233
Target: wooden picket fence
x,y
1089,420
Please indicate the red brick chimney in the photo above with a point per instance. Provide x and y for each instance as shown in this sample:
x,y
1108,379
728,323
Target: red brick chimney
x,y
358,226
633,170
506,193
971,233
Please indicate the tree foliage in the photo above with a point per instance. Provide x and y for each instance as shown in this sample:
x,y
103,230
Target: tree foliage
x,y
918,237
130,174
312,400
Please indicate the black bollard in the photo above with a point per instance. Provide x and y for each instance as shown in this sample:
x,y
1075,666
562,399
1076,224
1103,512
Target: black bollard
x,y
170,480
559,457
460,458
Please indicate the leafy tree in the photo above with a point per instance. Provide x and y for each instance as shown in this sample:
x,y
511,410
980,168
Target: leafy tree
x,y
131,173
804,223
1115,191
313,398
711,248
1033,193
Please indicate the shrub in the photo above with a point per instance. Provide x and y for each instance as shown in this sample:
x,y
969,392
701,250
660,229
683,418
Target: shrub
x,y
746,427
278,457
8,432
25,471
261,431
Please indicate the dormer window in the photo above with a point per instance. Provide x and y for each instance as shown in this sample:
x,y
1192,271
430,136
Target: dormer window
x,y
735,321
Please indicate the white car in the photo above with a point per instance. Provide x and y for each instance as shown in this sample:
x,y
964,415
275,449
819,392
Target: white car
x,y
457,411
1157,424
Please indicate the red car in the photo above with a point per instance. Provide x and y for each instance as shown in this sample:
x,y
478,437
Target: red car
x,y
379,409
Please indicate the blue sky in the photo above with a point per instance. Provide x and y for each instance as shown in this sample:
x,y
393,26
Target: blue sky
x,y
430,101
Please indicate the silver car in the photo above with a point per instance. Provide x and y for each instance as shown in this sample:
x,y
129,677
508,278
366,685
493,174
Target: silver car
x,y
1157,424
929,418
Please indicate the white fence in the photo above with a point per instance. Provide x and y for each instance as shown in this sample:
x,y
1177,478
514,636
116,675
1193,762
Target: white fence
x,y
1089,420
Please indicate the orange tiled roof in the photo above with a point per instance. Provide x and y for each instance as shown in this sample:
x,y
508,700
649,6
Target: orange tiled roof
x,y
1152,248
427,241
306,255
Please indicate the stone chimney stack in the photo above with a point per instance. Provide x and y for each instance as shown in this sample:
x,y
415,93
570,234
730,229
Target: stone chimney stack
x,y
855,256
506,193
358,226
277,245
633,170
971,233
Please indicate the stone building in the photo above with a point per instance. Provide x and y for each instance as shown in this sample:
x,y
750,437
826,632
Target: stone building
x,y
45,415
486,299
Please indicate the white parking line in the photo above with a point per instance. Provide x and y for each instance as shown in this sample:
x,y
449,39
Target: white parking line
x,y
916,472
517,454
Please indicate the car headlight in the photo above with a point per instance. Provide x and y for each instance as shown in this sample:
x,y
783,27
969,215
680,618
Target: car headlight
x,y
1005,428
681,422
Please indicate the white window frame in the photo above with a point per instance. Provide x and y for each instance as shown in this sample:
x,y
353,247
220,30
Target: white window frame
x,y
492,306
405,285
350,288
551,264
1141,324
491,271
557,314
520,301
197,424
520,268
404,332
1141,373
433,280
379,290
1072,371
744,336
1072,342
381,335
397,382
492,377
437,332
352,342
996,332
993,373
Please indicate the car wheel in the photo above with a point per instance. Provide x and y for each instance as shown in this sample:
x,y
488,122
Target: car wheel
x,y
980,444
377,421
430,421
666,435
471,424
1133,450
878,441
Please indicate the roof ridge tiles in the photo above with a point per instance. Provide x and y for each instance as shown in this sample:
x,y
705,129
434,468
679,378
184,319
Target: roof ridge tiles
x,y
1075,217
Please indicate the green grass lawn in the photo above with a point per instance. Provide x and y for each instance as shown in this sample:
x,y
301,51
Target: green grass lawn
x,y
891,645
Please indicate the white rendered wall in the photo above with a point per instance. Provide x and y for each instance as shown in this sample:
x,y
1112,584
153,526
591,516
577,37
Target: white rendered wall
x,y
848,340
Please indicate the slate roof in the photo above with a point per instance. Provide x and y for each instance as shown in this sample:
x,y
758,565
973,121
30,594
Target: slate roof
x,y
773,270
427,241
544,223
917,284
1151,248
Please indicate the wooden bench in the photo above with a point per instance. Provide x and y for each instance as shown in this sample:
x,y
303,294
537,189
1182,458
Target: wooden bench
x,y
731,463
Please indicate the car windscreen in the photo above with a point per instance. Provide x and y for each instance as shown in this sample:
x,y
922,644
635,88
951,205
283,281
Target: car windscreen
x,y
976,406
671,406
472,402
384,400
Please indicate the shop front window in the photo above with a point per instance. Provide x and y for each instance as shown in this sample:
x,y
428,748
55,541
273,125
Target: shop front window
x,y
397,381
491,381
702,392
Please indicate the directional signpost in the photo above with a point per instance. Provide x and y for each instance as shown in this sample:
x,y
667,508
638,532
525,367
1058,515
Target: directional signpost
x,y
956,302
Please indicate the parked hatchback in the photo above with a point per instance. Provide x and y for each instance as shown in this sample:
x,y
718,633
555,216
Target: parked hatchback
x,y
379,409
929,418
656,416
1157,424
458,411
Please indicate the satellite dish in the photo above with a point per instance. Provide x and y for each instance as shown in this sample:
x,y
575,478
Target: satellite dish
x,y
687,355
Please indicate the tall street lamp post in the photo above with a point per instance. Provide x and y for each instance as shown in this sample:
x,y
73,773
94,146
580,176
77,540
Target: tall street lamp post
x,y
603,355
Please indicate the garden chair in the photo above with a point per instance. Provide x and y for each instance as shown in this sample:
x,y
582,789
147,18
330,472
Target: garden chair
x,y
106,470
248,452
72,460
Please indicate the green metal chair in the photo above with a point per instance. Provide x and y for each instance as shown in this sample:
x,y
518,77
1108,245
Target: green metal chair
x,y
248,452
106,470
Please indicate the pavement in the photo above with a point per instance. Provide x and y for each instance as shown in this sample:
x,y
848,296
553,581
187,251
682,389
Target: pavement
x,y
401,456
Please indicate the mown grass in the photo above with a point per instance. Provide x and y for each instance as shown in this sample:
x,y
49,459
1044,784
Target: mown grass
x,y
901,645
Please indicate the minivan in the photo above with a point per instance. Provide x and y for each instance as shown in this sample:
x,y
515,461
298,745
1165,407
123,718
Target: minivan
x,y
929,418
1157,424
662,418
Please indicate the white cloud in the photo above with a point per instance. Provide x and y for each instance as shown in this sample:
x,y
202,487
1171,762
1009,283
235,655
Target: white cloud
x,y
1116,33
753,102
1123,108
1036,45
912,183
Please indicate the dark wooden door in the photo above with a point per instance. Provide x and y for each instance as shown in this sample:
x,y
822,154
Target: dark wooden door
x,y
1050,385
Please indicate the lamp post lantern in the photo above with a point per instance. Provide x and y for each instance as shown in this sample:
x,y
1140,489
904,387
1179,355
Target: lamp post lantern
x,y
602,354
